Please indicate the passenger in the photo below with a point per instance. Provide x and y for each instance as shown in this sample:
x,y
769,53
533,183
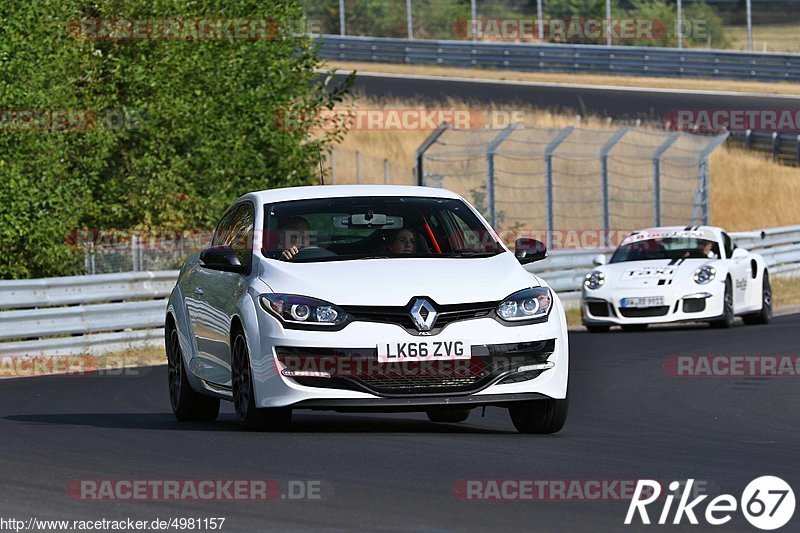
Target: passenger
x,y
403,242
295,235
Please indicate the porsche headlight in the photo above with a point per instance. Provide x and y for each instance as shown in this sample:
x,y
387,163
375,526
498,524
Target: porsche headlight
x,y
528,304
594,280
302,310
704,274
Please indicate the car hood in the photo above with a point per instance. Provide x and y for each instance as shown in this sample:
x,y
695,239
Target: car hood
x,y
647,274
395,281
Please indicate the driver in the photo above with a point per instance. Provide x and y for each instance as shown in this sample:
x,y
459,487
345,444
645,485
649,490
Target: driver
x,y
294,236
403,242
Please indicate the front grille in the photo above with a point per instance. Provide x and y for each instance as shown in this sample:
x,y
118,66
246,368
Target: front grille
x,y
400,316
641,312
694,305
359,369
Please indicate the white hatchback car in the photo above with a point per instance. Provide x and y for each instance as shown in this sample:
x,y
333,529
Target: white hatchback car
x,y
677,274
364,298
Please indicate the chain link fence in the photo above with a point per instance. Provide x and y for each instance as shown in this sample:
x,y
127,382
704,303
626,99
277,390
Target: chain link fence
x,y
566,179
354,167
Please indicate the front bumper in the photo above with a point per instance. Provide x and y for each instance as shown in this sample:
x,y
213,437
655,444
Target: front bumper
x,y
686,304
274,389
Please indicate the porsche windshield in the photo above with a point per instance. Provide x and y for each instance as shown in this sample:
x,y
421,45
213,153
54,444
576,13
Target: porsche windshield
x,y
666,248
331,229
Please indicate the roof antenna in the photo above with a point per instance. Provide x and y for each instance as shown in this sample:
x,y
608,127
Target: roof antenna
x,y
321,173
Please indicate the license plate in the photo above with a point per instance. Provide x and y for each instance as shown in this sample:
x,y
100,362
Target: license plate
x,y
423,350
644,301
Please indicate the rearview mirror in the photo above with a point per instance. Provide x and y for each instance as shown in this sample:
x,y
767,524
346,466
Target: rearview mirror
x,y
221,258
599,260
529,250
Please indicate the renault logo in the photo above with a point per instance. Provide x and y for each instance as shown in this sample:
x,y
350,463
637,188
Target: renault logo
x,y
423,314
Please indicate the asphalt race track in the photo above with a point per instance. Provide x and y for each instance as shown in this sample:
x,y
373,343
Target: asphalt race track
x,y
603,101
628,420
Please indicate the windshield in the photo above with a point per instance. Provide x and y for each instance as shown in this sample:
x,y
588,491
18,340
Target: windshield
x,y
332,229
666,248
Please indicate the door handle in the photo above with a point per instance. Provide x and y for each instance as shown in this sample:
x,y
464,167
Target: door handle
x,y
198,291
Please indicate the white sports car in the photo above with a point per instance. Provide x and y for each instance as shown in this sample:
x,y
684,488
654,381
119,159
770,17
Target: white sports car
x,y
676,274
354,298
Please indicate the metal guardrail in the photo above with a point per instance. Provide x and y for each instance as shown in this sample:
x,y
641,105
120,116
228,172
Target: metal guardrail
x,y
83,314
783,146
594,59
110,312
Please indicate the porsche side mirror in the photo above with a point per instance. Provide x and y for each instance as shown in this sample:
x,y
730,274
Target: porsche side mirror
x,y
599,260
739,253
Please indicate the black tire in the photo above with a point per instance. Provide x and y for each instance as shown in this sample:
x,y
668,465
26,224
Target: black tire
x,y
448,414
187,404
634,327
598,329
249,416
539,416
728,317
765,315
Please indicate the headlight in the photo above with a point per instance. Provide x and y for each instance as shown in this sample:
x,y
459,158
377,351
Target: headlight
x,y
528,304
302,310
594,280
704,274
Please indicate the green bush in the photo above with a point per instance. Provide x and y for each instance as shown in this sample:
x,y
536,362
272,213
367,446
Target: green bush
x,y
183,126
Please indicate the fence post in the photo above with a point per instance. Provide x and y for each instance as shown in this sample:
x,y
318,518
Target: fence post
x,y
657,176
610,143
701,204
385,171
419,154
134,252
548,170
776,145
358,167
491,149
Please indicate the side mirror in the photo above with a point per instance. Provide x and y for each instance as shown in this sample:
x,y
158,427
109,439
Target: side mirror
x,y
529,250
599,260
739,253
221,258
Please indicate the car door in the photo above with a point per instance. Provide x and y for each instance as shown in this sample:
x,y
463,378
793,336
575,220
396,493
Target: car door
x,y
739,268
222,290
208,306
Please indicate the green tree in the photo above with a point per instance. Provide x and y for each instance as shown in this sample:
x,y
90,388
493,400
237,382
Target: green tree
x,y
183,127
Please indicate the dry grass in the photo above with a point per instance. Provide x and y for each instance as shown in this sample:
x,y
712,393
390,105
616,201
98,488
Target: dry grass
x,y
567,78
748,190
80,364
785,292
766,37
